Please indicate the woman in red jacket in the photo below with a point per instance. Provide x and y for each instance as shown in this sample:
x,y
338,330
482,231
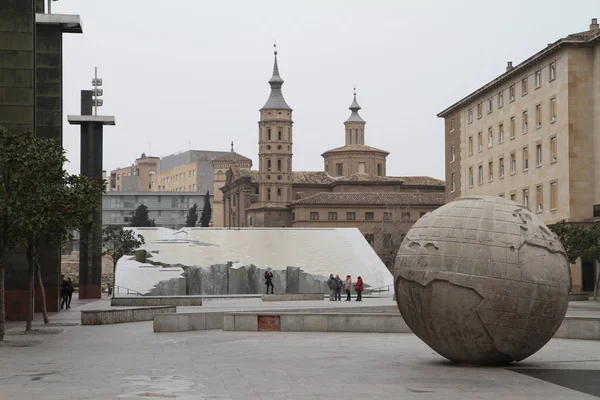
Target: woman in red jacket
x,y
358,286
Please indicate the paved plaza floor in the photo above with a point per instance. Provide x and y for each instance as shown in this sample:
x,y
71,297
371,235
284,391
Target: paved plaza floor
x,y
130,361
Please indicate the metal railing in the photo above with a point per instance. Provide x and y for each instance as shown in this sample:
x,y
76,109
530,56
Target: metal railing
x,y
381,289
127,291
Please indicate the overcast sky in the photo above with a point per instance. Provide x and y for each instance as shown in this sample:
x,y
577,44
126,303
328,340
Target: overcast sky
x,y
188,71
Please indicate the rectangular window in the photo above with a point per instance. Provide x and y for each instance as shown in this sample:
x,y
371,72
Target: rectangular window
x,y
332,216
513,197
525,158
552,71
452,154
553,195
553,109
479,110
489,105
470,115
379,169
470,176
526,197
452,125
480,141
490,171
501,167
513,163
511,93
500,99
470,145
501,133
268,165
314,216
278,165
480,175
538,154
369,216
387,216
524,87
279,134
490,137
269,134
553,149
539,198
538,78
405,216
269,197
351,216
513,127
525,121
538,115
453,183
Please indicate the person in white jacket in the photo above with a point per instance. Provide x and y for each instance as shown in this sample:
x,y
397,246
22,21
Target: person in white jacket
x,y
348,287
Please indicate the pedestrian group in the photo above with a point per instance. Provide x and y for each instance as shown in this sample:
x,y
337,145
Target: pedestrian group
x,y
66,292
335,286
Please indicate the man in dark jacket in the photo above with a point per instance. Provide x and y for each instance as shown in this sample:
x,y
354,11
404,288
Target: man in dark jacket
x,y
338,288
269,280
332,285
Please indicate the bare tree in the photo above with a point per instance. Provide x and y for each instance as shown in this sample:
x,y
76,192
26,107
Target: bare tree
x,y
389,233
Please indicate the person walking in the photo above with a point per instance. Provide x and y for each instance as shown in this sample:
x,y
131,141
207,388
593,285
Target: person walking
x,y
69,289
63,291
338,288
348,287
332,285
359,288
269,280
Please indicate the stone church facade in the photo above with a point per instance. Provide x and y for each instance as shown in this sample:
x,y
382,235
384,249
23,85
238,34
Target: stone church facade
x,y
353,190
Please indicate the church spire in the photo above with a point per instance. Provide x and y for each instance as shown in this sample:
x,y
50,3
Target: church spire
x,y
276,100
354,107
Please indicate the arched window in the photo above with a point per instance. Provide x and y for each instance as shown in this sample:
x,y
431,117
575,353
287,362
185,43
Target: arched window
x,y
278,165
356,136
279,134
340,169
268,165
269,134
350,136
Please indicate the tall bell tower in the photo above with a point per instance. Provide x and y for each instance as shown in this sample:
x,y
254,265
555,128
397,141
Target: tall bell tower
x,y
275,146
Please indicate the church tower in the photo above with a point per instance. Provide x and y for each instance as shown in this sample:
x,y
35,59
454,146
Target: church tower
x,y
275,146
355,125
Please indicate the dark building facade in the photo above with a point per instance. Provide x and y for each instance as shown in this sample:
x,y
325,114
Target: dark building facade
x,y
31,99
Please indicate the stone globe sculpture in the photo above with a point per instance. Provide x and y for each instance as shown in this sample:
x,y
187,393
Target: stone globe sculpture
x,y
482,280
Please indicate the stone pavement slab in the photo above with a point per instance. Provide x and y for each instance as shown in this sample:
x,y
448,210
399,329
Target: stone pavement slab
x,y
129,361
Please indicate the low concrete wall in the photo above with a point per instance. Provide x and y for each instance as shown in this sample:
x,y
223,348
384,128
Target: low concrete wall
x,y
293,297
104,317
312,322
579,297
579,328
153,301
184,322
571,328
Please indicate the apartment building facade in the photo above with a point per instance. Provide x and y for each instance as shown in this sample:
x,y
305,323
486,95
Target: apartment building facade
x,y
533,135
167,209
135,178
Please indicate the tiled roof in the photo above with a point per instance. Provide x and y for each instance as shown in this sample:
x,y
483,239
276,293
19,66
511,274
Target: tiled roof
x,y
375,199
356,147
312,177
239,173
232,156
421,181
405,180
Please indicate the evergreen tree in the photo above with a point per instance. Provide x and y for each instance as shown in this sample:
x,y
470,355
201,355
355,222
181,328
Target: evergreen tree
x,y
140,219
206,211
192,217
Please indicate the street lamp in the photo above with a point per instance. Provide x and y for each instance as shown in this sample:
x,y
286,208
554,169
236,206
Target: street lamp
x,y
96,102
